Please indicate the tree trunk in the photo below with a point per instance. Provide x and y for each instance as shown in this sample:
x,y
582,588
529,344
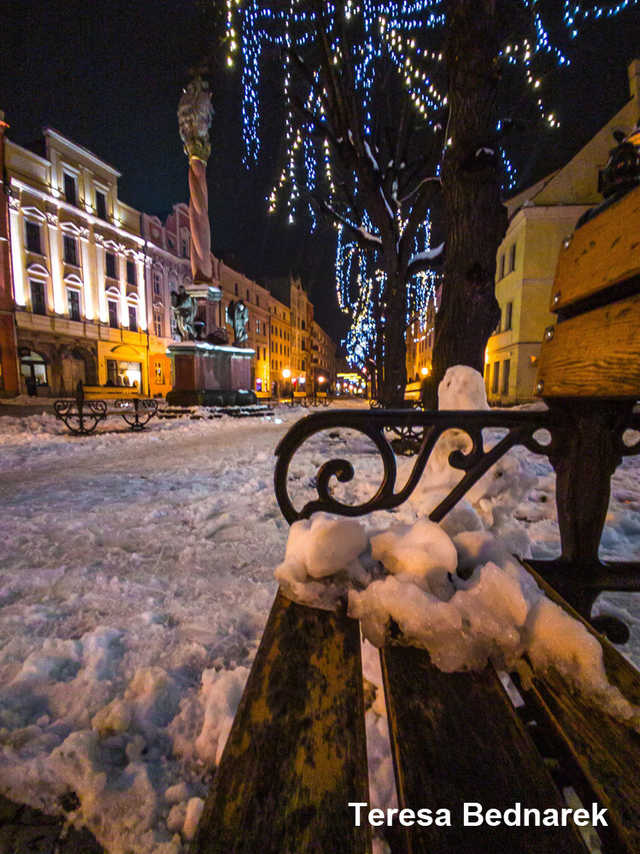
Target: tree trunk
x,y
395,364
476,218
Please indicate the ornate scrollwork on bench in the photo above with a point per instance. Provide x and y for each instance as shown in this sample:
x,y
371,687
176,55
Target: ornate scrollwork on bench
x,y
520,427
138,412
80,419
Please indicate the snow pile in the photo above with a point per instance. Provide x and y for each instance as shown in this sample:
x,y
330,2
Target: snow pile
x,y
136,578
465,600
321,559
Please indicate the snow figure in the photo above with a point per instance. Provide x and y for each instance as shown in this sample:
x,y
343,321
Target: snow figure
x,y
194,120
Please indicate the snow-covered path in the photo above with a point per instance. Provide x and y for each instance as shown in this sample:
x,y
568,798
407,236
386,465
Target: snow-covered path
x,y
136,577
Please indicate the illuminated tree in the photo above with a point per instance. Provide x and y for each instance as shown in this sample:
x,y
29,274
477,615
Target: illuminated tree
x,y
391,106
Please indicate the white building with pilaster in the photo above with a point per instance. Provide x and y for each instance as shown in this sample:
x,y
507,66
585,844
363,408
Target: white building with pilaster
x,y
78,270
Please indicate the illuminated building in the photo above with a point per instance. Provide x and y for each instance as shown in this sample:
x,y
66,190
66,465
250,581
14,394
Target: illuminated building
x,y
8,349
77,269
540,218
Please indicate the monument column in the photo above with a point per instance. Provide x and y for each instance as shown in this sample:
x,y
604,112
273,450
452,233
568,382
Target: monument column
x,y
208,371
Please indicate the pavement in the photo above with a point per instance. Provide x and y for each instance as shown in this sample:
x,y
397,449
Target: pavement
x,y
24,830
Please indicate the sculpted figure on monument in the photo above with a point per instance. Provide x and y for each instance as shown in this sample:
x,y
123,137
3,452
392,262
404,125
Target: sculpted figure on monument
x,y
184,309
194,118
238,317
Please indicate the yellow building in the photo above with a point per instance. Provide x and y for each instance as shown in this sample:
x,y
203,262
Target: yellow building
x,y
77,270
540,218
323,359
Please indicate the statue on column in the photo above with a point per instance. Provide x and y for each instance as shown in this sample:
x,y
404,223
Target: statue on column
x,y
184,308
237,315
194,120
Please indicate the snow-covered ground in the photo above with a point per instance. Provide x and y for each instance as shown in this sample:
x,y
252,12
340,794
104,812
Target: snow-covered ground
x,y
136,577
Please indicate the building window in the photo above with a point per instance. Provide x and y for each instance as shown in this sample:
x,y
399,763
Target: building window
x,y
248,295
73,303
303,365
303,326
33,368
70,193
258,325
257,300
184,245
157,321
38,302
495,385
33,237
158,373
113,313
112,266
506,367
101,204
157,284
235,289
501,267
70,247
512,258
131,273
508,316
133,318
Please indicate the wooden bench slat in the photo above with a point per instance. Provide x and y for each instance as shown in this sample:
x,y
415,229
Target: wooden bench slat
x,y
602,252
606,751
596,354
456,738
296,754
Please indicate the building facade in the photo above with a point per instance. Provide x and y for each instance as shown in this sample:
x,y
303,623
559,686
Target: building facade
x,y
8,342
540,218
86,284
78,270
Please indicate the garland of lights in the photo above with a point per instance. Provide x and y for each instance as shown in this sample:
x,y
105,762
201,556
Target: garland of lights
x,y
399,32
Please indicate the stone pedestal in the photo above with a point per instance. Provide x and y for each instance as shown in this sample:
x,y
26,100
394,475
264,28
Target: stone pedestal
x,y
210,375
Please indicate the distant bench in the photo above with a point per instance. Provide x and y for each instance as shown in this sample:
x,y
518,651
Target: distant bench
x,y
93,404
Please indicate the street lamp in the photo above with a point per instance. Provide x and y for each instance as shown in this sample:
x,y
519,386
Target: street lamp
x,y
424,371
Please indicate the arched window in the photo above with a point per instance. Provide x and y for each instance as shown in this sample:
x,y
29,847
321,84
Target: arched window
x,y
33,368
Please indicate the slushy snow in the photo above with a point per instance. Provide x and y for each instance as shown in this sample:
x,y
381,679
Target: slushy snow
x,y
137,576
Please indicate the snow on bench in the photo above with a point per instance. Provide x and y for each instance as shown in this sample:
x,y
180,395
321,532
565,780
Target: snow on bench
x,y
482,762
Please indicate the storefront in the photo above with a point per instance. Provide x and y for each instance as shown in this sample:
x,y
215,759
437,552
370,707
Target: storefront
x,y
124,365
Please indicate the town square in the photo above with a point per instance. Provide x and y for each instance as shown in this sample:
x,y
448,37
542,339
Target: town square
x,y
319,427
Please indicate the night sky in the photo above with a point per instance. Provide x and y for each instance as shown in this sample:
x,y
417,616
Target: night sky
x,y
109,75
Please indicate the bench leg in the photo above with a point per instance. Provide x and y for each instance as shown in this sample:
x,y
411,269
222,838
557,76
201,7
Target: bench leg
x,y
586,452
